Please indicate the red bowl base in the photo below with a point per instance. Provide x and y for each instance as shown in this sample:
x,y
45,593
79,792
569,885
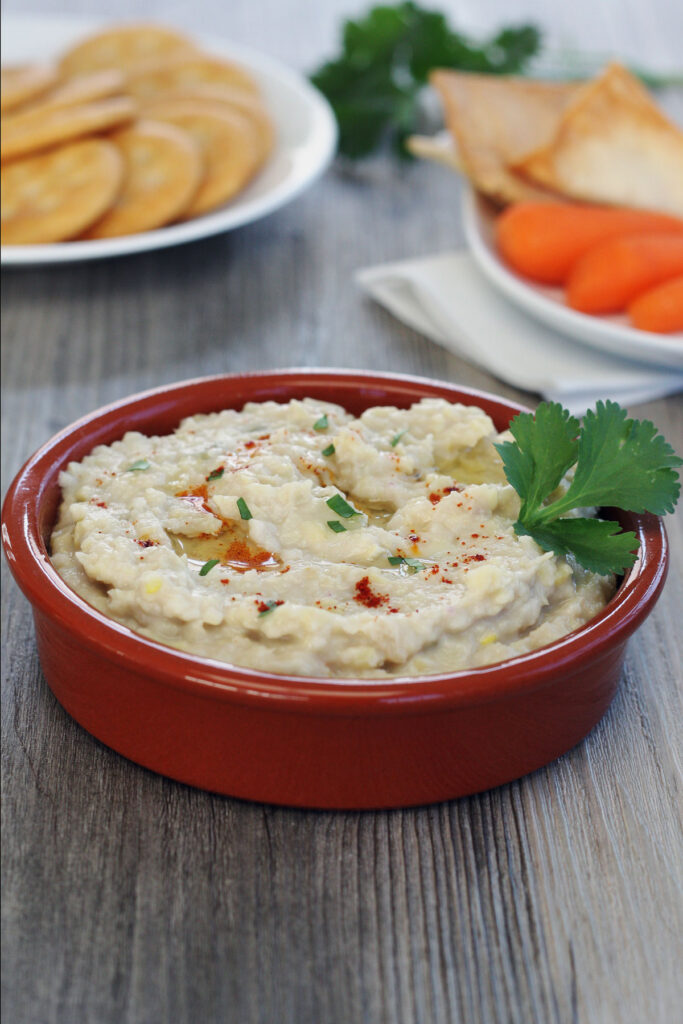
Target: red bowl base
x,y
318,760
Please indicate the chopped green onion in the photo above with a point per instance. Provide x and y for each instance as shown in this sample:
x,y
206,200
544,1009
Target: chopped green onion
x,y
208,566
336,526
414,564
341,507
397,438
322,423
329,450
243,509
216,474
271,605
138,466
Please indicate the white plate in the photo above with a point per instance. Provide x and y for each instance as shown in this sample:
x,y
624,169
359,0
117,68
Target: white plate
x,y
610,333
306,141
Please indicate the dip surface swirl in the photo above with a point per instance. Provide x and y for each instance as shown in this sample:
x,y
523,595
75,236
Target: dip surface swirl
x,y
295,538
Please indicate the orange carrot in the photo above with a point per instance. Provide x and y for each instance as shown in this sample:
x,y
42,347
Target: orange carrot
x,y
608,277
544,240
660,309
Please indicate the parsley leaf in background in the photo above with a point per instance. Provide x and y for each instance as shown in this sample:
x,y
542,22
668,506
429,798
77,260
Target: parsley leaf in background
x,y
620,462
374,85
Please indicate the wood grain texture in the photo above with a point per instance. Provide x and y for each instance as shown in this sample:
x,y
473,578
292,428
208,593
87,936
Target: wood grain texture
x,y
131,899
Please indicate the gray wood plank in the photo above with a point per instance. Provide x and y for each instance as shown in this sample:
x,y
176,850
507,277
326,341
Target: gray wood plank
x,y
130,898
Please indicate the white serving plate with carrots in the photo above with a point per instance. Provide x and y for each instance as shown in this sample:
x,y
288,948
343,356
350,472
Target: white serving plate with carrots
x,y
612,333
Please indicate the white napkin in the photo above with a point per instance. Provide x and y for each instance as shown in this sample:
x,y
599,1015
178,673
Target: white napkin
x,y
447,298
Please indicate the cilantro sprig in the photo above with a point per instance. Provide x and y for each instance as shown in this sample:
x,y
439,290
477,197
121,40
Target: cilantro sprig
x,y
619,462
386,56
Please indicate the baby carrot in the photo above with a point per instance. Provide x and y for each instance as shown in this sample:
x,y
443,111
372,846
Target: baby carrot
x,y
660,309
609,276
544,240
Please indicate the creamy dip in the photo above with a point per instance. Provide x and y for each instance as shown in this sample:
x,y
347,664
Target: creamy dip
x,y
296,538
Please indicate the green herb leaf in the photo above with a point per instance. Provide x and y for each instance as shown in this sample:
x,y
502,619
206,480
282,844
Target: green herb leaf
x,y
397,438
342,507
271,606
386,56
243,509
329,450
138,466
336,526
596,544
620,462
536,470
322,423
208,566
216,474
414,564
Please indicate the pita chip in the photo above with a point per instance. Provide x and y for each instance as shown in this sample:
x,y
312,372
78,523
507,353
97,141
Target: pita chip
x,y
612,145
439,148
497,120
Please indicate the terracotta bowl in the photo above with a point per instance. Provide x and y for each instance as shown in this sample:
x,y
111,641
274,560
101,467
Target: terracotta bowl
x,y
336,743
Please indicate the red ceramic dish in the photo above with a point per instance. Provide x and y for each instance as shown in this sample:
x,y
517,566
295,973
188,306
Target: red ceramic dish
x,y
337,743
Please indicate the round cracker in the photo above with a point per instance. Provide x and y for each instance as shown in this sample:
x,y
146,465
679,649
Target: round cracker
x,y
189,70
44,126
223,96
99,85
227,144
56,195
163,169
123,47
24,82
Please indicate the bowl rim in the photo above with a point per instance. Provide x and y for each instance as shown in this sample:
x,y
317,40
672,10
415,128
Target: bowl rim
x,y
48,593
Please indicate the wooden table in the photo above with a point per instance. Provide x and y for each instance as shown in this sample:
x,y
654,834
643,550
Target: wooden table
x,y
130,898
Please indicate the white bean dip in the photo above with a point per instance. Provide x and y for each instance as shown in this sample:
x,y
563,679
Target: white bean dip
x,y
296,538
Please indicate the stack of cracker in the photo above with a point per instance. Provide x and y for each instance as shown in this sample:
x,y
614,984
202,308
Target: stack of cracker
x,y
134,128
